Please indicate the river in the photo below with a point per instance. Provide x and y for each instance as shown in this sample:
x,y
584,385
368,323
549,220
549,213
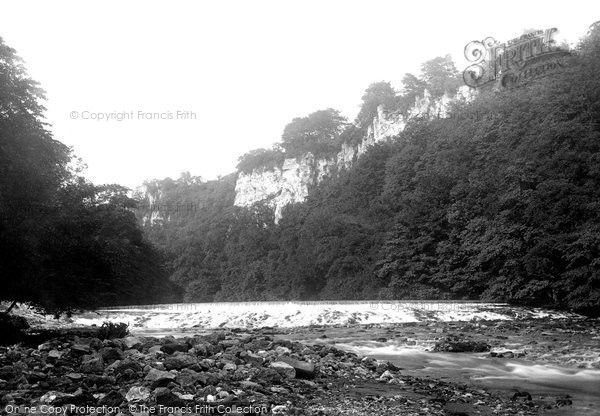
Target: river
x,y
553,355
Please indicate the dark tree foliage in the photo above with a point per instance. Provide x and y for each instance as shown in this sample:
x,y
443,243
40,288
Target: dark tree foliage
x,y
192,236
64,243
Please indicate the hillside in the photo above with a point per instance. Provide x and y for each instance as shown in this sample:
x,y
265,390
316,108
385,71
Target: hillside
x,y
495,200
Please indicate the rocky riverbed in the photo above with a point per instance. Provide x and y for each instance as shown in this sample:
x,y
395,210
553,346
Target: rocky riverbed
x,y
225,372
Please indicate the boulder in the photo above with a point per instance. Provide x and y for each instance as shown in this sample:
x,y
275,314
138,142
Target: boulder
x,y
110,355
303,369
163,396
137,393
132,343
121,367
156,376
92,363
79,349
254,359
172,347
187,377
284,369
112,399
179,360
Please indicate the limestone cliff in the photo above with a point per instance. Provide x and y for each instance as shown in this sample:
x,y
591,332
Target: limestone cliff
x,y
291,182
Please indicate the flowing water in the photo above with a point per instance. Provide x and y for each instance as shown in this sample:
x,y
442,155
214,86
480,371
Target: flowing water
x,y
544,382
337,322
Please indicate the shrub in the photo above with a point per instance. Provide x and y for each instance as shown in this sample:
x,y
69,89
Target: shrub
x,y
110,330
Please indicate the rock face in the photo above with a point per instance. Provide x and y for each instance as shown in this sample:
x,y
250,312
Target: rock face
x,y
291,182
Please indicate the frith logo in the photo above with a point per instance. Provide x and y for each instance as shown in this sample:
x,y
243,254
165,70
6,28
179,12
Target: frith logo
x,y
514,62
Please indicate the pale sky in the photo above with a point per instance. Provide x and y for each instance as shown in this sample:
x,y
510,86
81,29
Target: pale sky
x,y
245,68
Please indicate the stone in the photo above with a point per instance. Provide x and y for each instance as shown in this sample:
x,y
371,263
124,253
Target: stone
x,y
254,359
137,393
303,369
132,342
179,360
53,397
183,396
187,377
156,349
173,347
386,375
250,385
284,369
55,354
110,355
155,375
121,367
80,349
92,364
461,346
111,399
163,396
521,396
230,367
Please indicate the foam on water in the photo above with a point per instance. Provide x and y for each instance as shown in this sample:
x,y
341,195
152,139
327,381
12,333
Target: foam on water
x,y
296,314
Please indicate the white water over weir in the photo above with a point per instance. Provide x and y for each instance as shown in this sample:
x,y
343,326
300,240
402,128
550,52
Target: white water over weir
x,y
303,313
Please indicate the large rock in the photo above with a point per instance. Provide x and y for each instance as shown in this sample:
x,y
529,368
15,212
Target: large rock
x,y
112,399
180,360
156,376
253,359
284,369
172,347
132,342
137,393
110,355
303,369
163,396
92,363
79,349
187,377
120,367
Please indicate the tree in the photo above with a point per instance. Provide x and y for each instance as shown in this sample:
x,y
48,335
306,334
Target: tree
x,y
440,75
317,133
378,93
64,242
33,166
266,159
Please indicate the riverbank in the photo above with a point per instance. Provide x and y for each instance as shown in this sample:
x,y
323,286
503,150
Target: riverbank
x,y
548,363
249,370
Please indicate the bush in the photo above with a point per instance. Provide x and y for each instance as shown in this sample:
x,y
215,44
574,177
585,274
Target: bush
x,y
110,330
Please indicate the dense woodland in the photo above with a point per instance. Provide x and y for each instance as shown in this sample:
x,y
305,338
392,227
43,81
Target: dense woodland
x,y
65,243
499,201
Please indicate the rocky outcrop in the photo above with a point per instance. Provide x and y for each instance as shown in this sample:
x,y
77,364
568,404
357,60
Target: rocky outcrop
x,y
291,182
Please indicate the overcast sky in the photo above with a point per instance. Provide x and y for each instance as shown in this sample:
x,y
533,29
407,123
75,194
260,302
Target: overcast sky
x,y
244,68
